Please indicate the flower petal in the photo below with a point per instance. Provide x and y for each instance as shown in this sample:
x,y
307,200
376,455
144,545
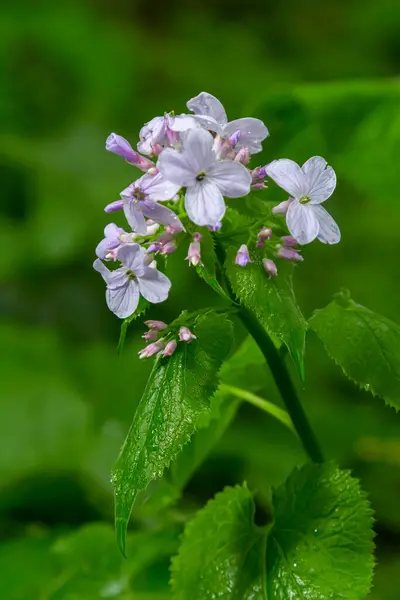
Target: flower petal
x,y
321,179
231,178
132,257
204,203
173,165
182,123
209,106
113,279
302,222
160,214
123,301
134,216
209,123
154,286
329,232
159,188
288,175
197,149
252,132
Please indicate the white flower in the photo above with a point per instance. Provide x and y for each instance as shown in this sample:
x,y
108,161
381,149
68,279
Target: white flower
x,y
163,130
132,279
210,114
206,179
308,186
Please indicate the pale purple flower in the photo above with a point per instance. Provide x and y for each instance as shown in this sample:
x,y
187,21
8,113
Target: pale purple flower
x,y
151,349
270,267
288,254
206,179
140,201
168,247
263,236
132,279
163,130
194,254
185,335
156,325
242,257
309,186
211,115
150,336
282,207
119,145
110,242
170,348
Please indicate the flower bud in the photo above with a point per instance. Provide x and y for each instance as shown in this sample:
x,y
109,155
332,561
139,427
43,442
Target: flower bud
x,y
258,186
234,138
173,229
151,335
197,236
242,257
151,349
185,335
281,209
243,156
263,235
270,267
168,248
287,254
156,325
119,145
289,241
152,228
170,348
194,254
153,171
114,206
154,247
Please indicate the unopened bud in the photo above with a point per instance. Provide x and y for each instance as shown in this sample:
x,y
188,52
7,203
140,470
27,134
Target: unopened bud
x,y
151,349
152,228
154,247
243,156
270,267
114,206
168,248
197,236
264,234
157,325
151,335
289,241
194,254
242,257
287,254
281,209
258,186
173,229
185,335
170,348
118,145
234,138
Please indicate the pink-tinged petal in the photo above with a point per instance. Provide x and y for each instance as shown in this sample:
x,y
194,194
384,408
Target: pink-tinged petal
x,y
252,133
173,165
113,279
209,106
134,216
320,179
231,178
132,257
302,222
159,188
329,232
161,214
123,301
112,231
154,286
204,203
288,175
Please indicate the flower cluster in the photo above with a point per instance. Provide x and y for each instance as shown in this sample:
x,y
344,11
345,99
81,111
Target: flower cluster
x,y
190,163
166,344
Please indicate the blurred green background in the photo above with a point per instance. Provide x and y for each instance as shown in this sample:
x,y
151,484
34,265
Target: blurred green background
x,y
323,77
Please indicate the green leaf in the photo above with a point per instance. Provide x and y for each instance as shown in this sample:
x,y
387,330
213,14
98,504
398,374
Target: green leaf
x,y
321,543
222,554
364,344
178,391
318,547
141,308
272,300
207,270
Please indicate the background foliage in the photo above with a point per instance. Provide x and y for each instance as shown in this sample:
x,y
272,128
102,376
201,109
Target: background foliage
x,y
323,78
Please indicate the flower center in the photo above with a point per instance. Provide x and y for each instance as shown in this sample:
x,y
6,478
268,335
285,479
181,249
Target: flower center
x,y
130,275
304,199
200,176
138,194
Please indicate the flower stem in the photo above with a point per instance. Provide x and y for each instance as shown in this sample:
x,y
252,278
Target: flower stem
x,y
268,407
278,369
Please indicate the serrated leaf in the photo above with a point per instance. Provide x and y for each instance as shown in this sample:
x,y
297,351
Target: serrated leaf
x,y
319,546
321,543
222,554
272,300
178,391
207,270
364,344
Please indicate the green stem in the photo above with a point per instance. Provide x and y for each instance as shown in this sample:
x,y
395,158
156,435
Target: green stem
x,y
278,369
261,403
